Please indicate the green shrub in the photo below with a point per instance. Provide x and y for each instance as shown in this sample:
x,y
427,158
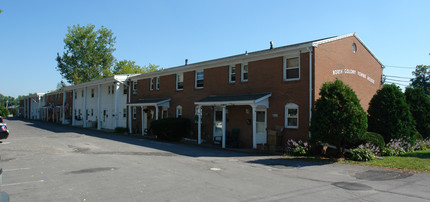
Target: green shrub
x,y
338,117
362,154
389,115
120,130
171,129
419,104
374,138
393,151
3,111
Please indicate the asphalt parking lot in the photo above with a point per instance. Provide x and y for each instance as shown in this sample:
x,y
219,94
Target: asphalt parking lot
x,y
49,162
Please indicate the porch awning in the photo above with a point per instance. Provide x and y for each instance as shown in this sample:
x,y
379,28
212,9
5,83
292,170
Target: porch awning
x,y
256,99
162,102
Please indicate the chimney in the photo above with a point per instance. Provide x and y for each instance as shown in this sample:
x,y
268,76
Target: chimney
x,y
186,62
271,44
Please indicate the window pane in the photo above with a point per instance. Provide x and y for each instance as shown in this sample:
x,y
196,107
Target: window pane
x,y
292,121
200,83
261,116
293,73
292,112
199,75
218,115
180,77
293,62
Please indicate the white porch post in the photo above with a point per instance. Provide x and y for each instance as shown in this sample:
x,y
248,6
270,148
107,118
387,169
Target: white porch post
x,y
117,84
73,108
223,126
129,114
199,121
85,109
63,112
254,127
156,112
38,113
143,120
99,107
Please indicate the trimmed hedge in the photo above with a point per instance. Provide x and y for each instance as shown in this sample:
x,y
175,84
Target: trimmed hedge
x,y
374,138
171,129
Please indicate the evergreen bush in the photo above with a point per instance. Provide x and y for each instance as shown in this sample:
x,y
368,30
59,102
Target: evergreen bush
x,y
419,104
389,115
338,117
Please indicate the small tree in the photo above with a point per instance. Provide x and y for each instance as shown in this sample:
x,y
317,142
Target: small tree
x,y
419,104
389,115
338,117
3,111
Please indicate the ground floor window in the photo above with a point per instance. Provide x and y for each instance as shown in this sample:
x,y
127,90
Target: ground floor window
x,y
179,111
164,113
291,115
134,112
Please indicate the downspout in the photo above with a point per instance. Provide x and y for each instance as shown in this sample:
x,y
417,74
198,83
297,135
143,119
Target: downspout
x,y
310,87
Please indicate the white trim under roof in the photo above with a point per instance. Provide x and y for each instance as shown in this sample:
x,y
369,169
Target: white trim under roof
x,y
116,78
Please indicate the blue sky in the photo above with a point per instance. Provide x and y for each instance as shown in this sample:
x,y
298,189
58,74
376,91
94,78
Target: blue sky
x,y
167,32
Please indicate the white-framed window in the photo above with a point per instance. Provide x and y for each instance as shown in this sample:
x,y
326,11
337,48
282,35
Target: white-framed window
x,y
134,112
82,93
113,89
232,74
151,84
180,81
134,87
92,112
199,79
291,68
157,83
291,115
108,90
125,112
261,121
244,73
92,92
179,111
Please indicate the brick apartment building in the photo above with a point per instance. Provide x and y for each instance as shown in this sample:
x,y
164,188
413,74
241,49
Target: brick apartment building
x,y
251,93
53,110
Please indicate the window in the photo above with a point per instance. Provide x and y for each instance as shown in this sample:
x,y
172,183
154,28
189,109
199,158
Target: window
x,y
124,90
108,89
92,112
157,83
232,74
291,116
180,81
92,92
179,111
113,89
134,87
134,112
244,73
124,112
151,84
291,69
82,93
76,96
261,122
199,79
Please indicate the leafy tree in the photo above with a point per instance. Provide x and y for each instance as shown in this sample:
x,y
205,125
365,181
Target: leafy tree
x,y
338,118
422,78
389,114
1,11
130,67
87,55
3,111
419,104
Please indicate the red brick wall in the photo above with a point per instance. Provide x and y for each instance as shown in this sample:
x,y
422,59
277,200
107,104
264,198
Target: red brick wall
x,y
338,55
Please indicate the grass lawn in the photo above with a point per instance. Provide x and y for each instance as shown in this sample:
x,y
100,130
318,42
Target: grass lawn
x,y
413,161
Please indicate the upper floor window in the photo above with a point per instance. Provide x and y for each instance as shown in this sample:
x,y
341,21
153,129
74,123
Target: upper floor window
x,y
180,81
92,92
134,87
151,84
124,90
232,74
113,89
82,93
108,89
291,69
199,79
291,115
244,73
134,112
179,111
157,83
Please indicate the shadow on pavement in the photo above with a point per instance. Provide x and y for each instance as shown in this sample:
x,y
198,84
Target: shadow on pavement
x,y
190,150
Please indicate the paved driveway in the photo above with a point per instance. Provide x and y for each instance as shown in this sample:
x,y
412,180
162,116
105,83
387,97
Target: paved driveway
x,y
48,162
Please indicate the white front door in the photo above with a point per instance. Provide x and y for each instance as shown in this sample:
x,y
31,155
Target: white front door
x,y
217,122
261,123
